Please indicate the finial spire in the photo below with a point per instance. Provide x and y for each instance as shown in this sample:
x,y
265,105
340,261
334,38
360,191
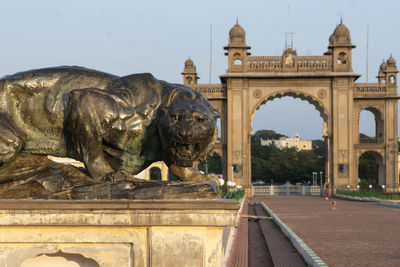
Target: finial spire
x,y
341,19
237,20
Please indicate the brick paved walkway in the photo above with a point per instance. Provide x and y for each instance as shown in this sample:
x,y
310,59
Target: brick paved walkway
x,y
354,234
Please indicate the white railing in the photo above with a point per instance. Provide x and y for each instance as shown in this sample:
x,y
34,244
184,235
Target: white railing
x,y
290,190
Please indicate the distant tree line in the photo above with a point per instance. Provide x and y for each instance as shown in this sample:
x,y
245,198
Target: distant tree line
x,y
270,163
289,165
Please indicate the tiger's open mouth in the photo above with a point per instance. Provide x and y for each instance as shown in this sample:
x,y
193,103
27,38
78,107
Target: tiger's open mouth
x,y
185,154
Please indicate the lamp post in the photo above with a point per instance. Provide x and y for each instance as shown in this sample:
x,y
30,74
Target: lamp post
x,y
320,176
314,177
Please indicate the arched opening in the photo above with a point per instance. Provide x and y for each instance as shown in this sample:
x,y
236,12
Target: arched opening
x,y
392,79
370,126
155,174
237,62
189,80
342,58
59,259
371,171
288,144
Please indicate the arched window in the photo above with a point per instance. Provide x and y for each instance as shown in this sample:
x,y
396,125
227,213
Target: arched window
x,y
237,62
370,126
342,58
392,79
189,80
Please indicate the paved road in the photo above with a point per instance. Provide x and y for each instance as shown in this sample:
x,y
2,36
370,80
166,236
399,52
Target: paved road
x,y
354,234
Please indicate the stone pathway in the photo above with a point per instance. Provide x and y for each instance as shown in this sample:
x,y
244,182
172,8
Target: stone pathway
x,y
353,234
259,243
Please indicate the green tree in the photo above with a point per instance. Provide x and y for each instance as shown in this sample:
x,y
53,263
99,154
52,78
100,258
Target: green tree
x,y
282,165
368,169
214,164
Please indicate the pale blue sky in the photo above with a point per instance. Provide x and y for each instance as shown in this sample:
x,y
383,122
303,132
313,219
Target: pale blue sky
x,y
124,37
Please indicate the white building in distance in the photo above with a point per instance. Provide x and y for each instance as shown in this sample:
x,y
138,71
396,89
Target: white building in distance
x,y
285,142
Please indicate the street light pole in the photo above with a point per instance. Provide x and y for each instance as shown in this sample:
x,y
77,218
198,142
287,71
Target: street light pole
x,y
320,174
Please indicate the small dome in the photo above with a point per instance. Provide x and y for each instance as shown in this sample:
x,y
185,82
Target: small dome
x,y
237,32
340,36
391,62
189,63
237,35
189,66
383,66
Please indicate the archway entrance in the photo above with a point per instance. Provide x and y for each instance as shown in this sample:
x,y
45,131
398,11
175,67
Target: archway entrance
x,y
283,150
371,171
328,82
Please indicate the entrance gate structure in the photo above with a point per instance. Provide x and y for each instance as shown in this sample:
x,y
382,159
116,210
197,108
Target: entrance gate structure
x,y
328,83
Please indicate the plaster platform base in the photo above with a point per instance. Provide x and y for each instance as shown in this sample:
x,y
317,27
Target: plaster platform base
x,y
114,233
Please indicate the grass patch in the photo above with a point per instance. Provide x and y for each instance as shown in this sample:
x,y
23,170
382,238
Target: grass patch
x,y
369,194
237,194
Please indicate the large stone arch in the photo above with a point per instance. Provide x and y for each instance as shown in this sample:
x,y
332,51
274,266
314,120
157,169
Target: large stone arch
x,y
377,111
379,158
328,82
319,105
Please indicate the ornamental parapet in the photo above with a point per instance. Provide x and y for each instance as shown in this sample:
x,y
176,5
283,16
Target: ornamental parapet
x,y
289,63
371,140
374,89
211,91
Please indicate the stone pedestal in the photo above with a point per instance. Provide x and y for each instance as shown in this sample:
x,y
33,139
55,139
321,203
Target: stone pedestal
x,y
114,232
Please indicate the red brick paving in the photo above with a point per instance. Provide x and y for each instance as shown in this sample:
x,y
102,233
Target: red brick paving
x,y
354,234
239,254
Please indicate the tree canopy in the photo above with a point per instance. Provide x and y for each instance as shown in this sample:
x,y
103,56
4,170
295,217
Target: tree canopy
x,y
284,165
289,165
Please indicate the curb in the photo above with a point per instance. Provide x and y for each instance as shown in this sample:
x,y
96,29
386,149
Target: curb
x,y
232,235
305,251
390,204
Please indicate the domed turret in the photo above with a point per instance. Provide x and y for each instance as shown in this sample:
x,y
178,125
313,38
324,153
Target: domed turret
x,y
340,48
340,36
388,72
391,62
237,35
381,73
237,50
383,66
189,73
189,64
